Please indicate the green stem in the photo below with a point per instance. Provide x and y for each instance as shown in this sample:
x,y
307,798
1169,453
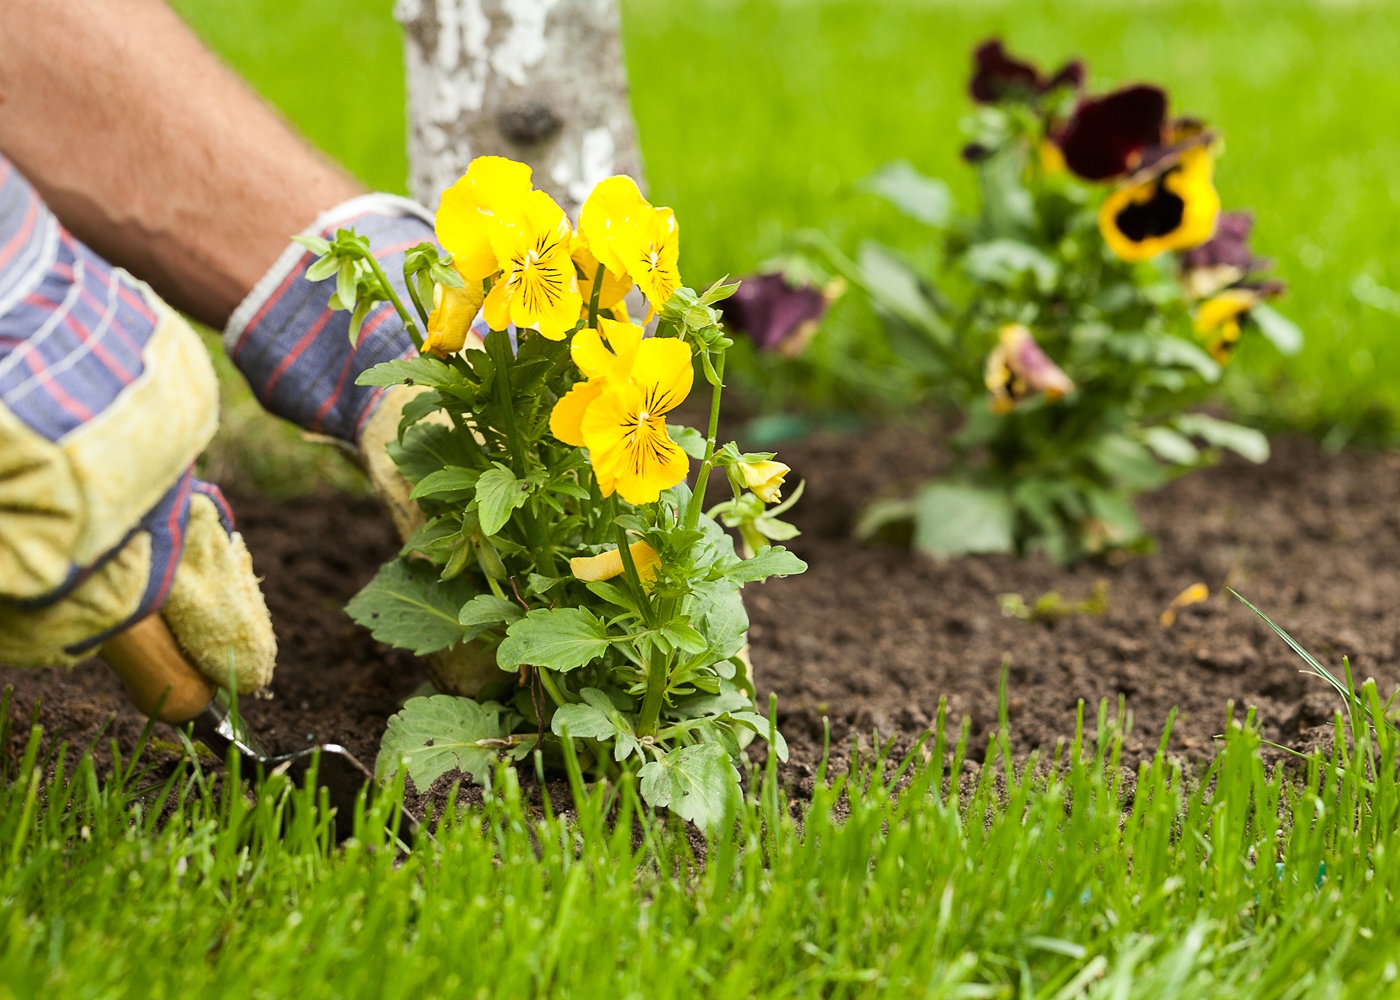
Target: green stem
x,y
702,481
402,310
656,687
412,285
498,347
629,565
551,686
593,299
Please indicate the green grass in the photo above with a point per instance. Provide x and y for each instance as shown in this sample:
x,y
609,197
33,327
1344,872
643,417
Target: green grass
x,y
758,116
1241,884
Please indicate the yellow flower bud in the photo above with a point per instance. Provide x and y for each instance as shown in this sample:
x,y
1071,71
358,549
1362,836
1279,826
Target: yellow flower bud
x,y
451,318
606,565
765,479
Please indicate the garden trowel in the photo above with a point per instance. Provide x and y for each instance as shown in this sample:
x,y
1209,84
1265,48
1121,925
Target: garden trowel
x,y
164,685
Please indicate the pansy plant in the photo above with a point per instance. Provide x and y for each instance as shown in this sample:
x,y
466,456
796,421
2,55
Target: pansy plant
x,y
562,539
1074,321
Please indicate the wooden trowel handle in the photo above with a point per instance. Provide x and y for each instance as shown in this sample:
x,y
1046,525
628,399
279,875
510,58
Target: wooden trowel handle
x,y
150,663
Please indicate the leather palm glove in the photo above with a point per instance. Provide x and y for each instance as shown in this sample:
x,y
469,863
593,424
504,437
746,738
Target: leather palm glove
x,y
106,399
295,351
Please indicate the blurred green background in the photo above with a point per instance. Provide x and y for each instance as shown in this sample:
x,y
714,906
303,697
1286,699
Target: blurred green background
x,y
759,116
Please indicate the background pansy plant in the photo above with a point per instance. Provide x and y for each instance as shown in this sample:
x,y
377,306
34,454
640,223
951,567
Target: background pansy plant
x,y
572,594
1073,321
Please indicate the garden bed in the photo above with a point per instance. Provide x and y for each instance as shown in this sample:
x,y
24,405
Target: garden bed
x,y
872,637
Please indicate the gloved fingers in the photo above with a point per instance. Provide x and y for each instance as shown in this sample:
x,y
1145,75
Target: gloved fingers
x,y
216,609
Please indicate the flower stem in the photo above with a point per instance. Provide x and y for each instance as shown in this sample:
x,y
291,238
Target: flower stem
x,y
397,302
499,349
412,287
552,687
629,565
593,299
697,500
656,687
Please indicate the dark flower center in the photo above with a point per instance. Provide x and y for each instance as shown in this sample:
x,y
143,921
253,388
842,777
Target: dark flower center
x,y
1157,216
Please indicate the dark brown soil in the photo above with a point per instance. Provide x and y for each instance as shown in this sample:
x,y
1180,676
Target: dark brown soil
x,y
872,638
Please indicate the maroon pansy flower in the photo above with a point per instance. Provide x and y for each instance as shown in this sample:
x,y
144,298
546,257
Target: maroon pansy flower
x,y
998,76
776,315
1108,137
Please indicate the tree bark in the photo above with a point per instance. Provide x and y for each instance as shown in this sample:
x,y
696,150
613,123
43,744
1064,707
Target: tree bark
x,y
540,81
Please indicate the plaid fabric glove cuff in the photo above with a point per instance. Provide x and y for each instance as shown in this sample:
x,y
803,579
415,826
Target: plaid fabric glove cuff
x,y
295,350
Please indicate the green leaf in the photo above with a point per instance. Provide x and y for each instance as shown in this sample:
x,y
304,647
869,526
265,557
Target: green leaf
x,y
486,610
772,561
1127,462
592,720
1243,441
717,610
760,725
561,639
320,247
323,268
917,196
430,736
406,605
951,519
1170,446
897,290
684,637
452,479
688,439
427,447
697,783
422,370
1175,351
1277,328
498,494
1007,262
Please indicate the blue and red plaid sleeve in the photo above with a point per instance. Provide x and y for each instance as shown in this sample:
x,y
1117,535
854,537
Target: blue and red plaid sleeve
x,y
78,338
295,350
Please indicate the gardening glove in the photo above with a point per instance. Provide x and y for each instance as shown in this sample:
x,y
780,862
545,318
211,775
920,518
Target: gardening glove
x,y
295,351
106,399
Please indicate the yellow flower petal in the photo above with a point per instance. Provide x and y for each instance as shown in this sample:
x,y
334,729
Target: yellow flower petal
x,y
451,318
491,188
654,266
629,448
614,203
764,479
607,565
662,369
1220,309
540,283
598,359
496,309
1175,211
566,419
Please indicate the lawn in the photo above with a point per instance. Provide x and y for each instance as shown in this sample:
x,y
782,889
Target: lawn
x,y
1055,887
758,116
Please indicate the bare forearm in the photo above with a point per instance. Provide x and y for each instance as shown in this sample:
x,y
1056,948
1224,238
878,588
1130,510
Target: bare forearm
x,y
151,151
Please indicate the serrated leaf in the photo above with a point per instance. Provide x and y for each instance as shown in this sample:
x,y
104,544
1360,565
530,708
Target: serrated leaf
x,y
426,448
717,610
453,479
406,605
951,519
560,639
760,725
591,720
772,561
697,783
688,439
422,370
431,736
922,198
486,610
684,637
498,494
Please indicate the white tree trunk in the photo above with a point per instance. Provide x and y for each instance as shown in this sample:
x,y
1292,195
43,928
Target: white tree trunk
x,y
540,81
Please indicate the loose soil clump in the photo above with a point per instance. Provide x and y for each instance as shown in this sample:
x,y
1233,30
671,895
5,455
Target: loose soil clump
x,y
871,637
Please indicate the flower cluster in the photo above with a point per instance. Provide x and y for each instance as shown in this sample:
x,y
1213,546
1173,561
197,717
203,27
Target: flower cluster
x,y
1076,318
571,591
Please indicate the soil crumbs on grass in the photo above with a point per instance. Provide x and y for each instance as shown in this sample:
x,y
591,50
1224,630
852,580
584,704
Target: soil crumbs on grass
x,y
872,637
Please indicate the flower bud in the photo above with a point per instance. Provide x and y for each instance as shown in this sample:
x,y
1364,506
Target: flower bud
x,y
606,565
451,319
764,478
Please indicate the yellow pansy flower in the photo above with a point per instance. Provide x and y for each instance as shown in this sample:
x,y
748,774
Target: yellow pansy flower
x,y
451,319
1174,210
601,354
538,287
764,479
492,188
1221,317
607,565
628,236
